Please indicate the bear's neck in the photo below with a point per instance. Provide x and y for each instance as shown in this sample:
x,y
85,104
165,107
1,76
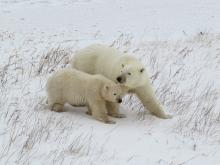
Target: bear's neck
x,y
125,89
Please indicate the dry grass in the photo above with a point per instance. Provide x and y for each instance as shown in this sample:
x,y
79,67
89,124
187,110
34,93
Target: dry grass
x,y
54,58
180,84
178,73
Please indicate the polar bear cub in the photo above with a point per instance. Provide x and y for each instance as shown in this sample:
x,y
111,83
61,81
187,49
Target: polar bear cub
x,y
82,89
121,68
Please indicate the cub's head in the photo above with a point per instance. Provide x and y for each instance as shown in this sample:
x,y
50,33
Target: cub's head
x,y
112,92
132,75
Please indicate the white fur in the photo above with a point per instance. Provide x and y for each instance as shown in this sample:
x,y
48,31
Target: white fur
x,y
79,89
100,59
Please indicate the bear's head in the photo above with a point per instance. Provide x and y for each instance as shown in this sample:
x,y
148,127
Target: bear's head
x,y
131,74
112,92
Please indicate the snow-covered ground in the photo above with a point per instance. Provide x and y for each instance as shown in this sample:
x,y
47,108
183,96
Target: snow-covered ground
x,y
178,41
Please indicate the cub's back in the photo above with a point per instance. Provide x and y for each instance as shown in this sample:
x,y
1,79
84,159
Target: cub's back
x,y
69,76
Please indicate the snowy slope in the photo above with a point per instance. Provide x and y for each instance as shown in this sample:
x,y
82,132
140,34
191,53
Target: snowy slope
x,y
178,41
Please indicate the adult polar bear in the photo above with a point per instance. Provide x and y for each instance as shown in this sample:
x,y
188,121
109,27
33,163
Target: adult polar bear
x,y
122,68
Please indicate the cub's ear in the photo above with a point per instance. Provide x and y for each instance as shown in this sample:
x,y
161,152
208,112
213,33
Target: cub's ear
x,y
106,87
122,65
105,90
142,70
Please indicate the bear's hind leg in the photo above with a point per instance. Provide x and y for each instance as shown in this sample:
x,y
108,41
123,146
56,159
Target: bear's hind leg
x,y
113,110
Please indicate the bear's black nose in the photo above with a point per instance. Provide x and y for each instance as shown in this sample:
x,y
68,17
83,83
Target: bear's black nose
x,y
119,79
119,100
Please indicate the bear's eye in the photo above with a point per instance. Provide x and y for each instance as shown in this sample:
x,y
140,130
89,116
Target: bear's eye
x,y
115,94
129,73
142,70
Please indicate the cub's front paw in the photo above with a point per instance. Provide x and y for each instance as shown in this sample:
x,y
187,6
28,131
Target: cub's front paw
x,y
110,122
117,115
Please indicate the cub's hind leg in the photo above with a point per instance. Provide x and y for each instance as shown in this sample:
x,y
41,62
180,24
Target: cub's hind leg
x,y
57,107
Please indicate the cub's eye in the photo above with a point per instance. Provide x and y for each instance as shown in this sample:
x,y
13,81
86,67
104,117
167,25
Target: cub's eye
x,y
129,73
142,70
115,94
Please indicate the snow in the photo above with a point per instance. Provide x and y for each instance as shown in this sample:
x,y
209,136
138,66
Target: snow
x,y
178,41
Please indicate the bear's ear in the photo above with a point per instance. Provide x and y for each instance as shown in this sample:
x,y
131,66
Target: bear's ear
x,y
142,70
122,65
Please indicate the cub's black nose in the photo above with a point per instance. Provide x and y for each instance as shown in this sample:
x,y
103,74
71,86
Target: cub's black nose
x,y
119,100
119,79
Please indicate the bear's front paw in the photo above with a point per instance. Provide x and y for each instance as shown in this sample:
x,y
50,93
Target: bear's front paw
x,y
118,115
165,116
168,116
